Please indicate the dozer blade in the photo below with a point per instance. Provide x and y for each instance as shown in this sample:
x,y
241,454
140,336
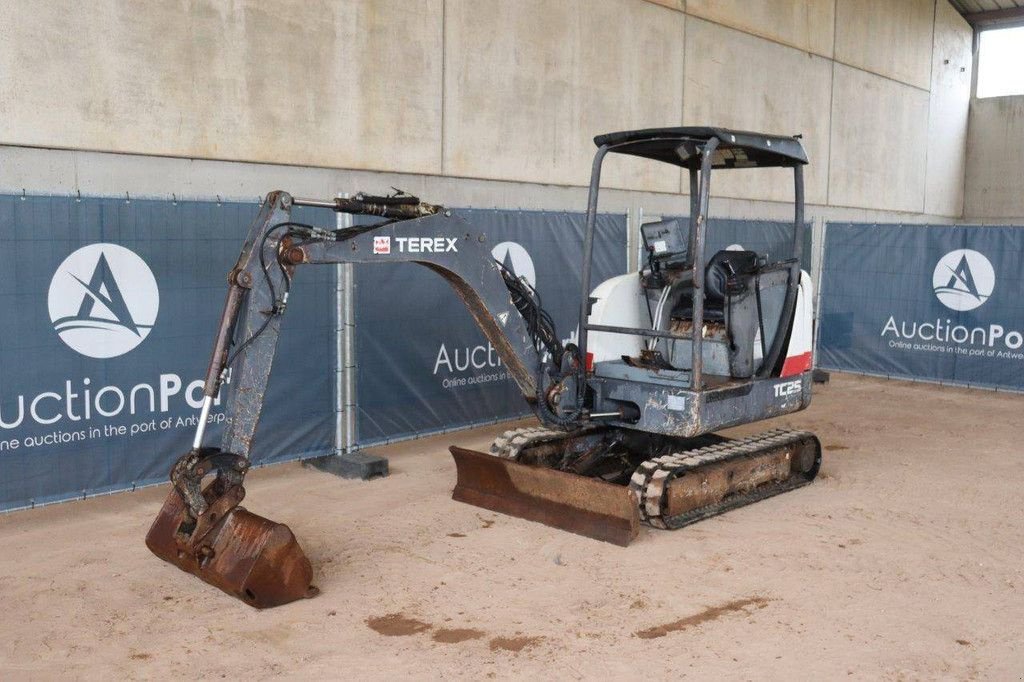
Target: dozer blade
x,y
247,556
586,506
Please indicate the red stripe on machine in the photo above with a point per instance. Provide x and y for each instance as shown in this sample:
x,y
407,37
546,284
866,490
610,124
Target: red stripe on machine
x,y
796,364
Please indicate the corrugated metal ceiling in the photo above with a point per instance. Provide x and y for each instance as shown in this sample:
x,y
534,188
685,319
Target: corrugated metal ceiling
x,y
966,7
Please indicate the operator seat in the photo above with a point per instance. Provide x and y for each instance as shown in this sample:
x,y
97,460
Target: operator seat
x,y
727,274
730,299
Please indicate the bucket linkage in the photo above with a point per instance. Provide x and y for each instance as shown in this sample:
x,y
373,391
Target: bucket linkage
x,y
203,531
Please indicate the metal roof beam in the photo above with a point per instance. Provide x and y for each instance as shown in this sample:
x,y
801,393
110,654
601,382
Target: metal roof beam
x,y
997,18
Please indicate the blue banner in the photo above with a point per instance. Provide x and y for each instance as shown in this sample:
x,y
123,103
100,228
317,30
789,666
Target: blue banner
x,y
108,313
931,302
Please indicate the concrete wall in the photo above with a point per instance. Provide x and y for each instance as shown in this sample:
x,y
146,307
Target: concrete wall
x,y
288,81
891,39
528,84
948,112
879,141
807,25
995,160
484,99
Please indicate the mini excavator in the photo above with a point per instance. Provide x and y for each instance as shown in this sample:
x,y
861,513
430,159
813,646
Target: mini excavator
x,y
627,416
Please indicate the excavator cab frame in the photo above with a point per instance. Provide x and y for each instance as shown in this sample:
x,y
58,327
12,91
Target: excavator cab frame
x,y
690,402
699,151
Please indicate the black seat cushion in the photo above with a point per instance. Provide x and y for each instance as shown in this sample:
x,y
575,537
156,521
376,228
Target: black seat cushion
x,y
723,267
721,270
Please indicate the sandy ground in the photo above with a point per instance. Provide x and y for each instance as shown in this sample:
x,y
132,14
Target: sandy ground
x,y
903,561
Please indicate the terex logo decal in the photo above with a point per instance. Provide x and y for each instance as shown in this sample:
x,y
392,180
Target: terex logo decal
x,y
416,244
963,279
103,300
427,244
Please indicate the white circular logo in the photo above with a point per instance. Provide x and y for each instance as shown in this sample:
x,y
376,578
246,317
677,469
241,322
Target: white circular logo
x,y
516,260
103,300
963,279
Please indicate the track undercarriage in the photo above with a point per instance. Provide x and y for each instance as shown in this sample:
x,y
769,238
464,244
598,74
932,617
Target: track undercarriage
x,y
619,478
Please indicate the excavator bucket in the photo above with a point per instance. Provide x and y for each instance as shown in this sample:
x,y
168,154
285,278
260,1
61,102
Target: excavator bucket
x,y
247,556
581,505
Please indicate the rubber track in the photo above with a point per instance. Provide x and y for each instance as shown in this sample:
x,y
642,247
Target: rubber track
x,y
509,444
650,481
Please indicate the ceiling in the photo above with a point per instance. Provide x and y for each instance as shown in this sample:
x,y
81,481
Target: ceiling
x,y
991,12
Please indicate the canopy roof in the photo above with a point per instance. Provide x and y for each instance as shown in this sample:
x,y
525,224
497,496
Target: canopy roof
x,y
681,147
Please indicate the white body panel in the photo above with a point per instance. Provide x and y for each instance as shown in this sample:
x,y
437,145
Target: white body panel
x,y
621,303
799,354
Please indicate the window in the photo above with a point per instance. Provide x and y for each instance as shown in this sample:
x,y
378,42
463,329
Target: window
x,y
1001,62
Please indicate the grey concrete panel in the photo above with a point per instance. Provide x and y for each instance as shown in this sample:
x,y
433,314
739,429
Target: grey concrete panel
x,y
57,171
995,164
948,112
879,142
804,24
674,4
892,38
741,81
346,84
529,84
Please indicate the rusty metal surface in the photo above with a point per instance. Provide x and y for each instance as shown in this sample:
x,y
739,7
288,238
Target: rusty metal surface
x,y
243,554
715,331
188,472
581,505
777,461
717,481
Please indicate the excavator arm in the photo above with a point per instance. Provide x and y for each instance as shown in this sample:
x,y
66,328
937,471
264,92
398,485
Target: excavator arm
x,y
201,529
276,246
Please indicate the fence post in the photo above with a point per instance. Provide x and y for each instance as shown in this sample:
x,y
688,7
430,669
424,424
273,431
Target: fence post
x,y
343,357
817,277
347,461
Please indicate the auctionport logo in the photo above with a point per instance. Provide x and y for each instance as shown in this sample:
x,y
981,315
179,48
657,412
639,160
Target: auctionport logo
x,y
103,300
963,279
516,260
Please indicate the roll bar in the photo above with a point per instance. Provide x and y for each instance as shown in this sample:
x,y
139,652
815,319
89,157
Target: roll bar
x,y
700,193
